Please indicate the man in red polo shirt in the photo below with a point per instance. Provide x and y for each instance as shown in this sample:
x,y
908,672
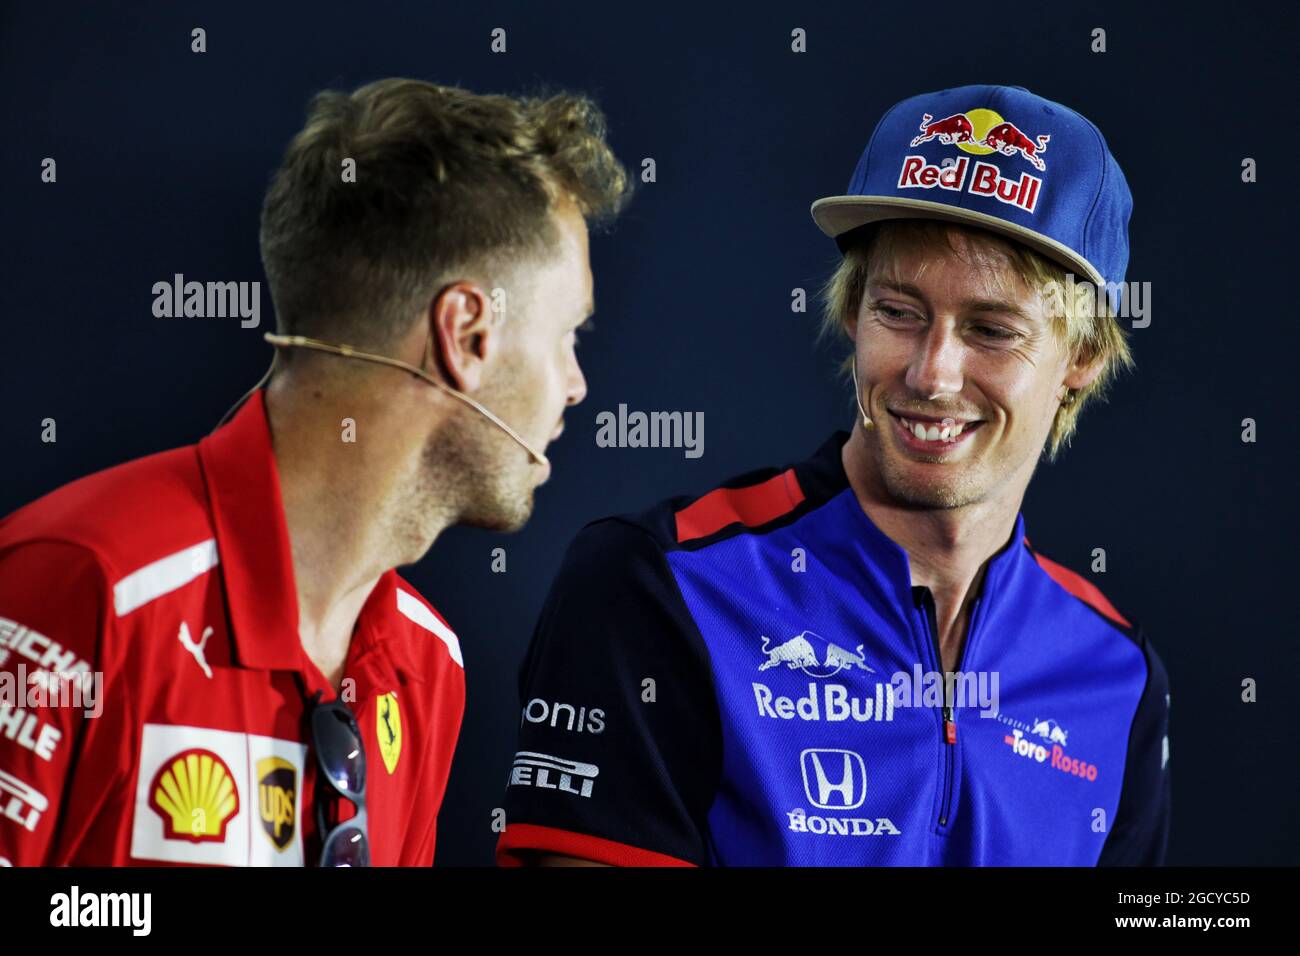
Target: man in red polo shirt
x,y
206,655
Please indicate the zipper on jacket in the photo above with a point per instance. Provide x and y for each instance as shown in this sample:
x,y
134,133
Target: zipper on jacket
x,y
949,733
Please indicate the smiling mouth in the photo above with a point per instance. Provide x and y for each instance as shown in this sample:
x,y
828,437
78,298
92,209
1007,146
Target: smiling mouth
x,y
933,431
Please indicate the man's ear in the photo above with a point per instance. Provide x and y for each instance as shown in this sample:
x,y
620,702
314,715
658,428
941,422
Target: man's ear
x,y
464,334
1084,371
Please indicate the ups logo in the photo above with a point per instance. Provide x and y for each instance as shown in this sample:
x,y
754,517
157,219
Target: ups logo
x,y
277,784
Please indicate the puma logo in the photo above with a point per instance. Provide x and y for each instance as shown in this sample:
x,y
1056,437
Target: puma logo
x,y
196,647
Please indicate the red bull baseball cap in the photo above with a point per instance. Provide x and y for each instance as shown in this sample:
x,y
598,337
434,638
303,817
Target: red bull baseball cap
x,y
1000,158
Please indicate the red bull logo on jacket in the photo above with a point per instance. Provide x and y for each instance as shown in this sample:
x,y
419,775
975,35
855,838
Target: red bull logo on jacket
x,y
817,657
978,132
812,654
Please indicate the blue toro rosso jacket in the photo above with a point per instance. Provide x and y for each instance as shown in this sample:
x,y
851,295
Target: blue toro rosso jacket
x,y
750,678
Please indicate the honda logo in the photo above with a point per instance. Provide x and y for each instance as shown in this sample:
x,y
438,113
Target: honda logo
x,y
834,779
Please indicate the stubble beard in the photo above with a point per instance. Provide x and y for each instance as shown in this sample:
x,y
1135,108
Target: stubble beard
x,y
477,478
965,484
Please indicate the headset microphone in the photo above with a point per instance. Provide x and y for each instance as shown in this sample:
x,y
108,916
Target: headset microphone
x,y
347,351
857,394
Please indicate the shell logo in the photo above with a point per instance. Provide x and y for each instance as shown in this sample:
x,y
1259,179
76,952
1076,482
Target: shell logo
x,y
195,794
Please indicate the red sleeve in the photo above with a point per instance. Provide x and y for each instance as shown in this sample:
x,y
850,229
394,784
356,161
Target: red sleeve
x,y
451,754
428,845
54,615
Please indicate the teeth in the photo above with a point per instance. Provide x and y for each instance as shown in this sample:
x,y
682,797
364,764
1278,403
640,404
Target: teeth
x,y
949,432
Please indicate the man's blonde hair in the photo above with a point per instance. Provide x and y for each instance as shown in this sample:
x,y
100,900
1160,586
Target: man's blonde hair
x,y
1085,323
446,182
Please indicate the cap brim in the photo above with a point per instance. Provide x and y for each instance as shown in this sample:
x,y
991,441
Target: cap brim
x,y
836,215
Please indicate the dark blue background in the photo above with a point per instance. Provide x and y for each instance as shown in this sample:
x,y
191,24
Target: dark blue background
x,y
163,156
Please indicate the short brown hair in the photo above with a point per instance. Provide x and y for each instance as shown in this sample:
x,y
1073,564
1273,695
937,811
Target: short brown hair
x,y
1085,324
445,180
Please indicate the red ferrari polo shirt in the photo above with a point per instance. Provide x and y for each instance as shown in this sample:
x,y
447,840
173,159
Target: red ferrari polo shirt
x,y
166,583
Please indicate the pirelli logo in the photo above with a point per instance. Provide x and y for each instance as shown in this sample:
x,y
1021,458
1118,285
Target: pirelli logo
x,y
553,773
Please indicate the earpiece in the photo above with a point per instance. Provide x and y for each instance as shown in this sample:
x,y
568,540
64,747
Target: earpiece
x,y
347,351
867,423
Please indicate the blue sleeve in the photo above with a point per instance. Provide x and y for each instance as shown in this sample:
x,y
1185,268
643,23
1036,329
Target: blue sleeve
x,y
619,745
1140,832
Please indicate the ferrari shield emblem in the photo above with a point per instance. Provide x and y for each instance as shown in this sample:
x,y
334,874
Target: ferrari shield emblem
x,y
388,728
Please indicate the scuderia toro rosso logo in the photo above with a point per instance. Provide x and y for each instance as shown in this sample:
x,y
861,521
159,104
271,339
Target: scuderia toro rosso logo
x,y
977,132
1048,748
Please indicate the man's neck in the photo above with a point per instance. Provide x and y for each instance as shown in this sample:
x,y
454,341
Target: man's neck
x,y
948,549
337,498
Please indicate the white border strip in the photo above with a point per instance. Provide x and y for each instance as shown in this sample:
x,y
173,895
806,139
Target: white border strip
x,y
163,576
411,606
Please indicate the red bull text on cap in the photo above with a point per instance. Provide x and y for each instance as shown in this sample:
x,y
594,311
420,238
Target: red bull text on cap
x,y
1000,158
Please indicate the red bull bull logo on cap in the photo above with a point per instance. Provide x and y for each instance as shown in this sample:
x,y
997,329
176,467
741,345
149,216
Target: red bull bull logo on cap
x,y
954,129
978,132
